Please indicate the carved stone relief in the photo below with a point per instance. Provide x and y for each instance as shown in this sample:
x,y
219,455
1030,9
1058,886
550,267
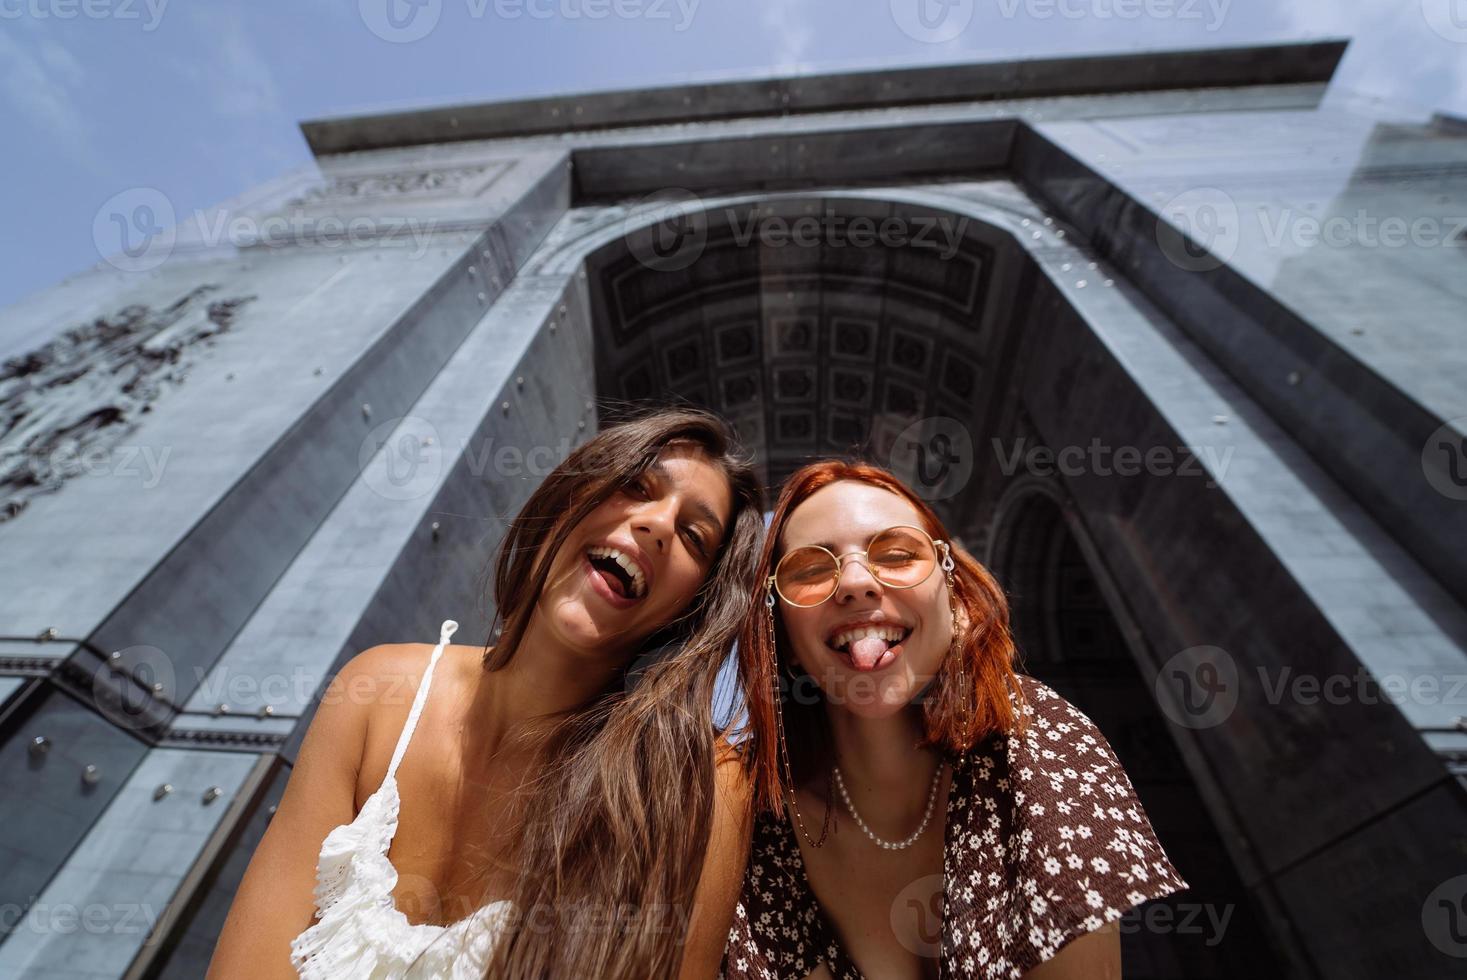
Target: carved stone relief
x,y
68,404
451,182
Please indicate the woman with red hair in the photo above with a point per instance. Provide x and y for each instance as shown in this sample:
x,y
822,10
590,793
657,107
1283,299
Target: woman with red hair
x,y
923,809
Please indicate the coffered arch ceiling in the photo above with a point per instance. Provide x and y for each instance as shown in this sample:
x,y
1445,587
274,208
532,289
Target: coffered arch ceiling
x,y
812,336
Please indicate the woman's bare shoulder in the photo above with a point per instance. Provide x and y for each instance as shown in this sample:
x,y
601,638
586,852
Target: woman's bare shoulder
x,y
379,676
382,682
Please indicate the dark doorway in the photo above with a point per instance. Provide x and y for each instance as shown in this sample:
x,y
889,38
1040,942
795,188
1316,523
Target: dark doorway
x,y
1069,638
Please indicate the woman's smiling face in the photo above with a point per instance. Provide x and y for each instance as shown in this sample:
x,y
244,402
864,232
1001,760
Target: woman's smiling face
x,y
636,561
842,517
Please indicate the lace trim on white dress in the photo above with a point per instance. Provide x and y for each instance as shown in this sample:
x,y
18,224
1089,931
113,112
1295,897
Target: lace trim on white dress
x,y
359,932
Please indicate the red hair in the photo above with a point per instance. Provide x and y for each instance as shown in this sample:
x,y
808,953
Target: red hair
x,y
967,702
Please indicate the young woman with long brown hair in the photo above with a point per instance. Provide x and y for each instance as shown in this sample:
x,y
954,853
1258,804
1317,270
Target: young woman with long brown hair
x,y
924,810
547,812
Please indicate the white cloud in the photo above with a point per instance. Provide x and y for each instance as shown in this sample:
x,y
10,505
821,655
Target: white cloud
x,y
789,23
226,62
1394,53
65,67
40,84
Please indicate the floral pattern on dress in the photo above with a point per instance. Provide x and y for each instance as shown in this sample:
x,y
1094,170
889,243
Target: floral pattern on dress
x,y
1044,841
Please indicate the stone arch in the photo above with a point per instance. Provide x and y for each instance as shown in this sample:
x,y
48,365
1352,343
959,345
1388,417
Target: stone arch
x,y
1076,635
1031,551
893,352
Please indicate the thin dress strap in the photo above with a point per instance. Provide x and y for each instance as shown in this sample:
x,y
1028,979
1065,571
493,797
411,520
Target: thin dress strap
x,y
420,699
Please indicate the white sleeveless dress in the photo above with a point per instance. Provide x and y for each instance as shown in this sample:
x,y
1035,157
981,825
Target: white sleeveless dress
x,y
359,932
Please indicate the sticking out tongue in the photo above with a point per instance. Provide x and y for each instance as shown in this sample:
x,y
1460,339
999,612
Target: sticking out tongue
x,y
612,580
613,583
869,652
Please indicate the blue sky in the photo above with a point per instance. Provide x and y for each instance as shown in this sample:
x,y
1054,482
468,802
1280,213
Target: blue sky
x,y
200,98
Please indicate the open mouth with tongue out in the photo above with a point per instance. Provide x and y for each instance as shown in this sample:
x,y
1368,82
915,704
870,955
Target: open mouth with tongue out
x,y
870,646
616,575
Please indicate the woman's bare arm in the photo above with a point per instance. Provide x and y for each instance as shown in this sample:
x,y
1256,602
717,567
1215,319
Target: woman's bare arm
x,y
723,869
1093,956
275,900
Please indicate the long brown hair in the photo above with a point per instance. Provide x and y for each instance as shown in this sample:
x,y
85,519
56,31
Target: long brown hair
x,y
614,828
968,700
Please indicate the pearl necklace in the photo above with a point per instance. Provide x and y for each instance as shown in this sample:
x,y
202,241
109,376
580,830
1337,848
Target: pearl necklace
x,y
840,784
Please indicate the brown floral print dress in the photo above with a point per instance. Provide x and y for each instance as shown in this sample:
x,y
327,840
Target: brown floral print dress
x,y
1044,841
